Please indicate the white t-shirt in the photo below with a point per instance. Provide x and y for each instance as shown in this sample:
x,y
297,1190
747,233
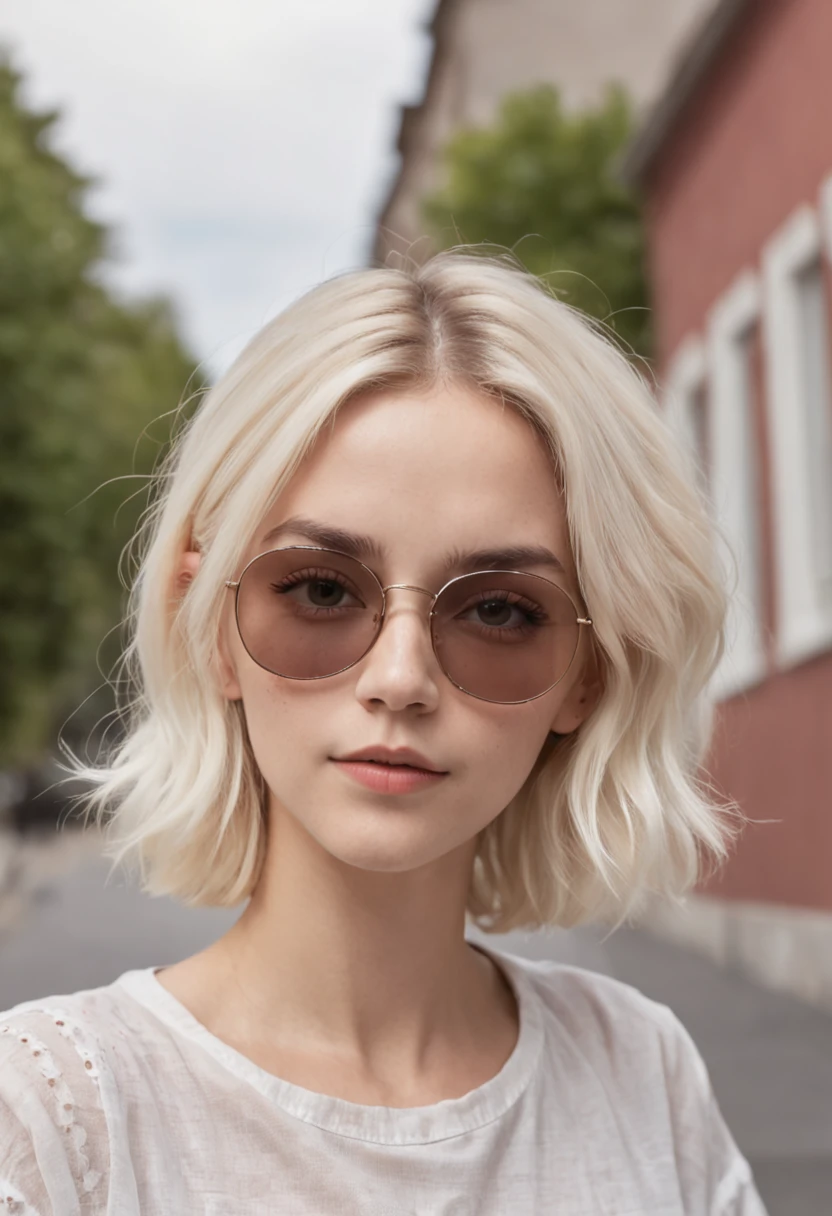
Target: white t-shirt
x,y
117,1100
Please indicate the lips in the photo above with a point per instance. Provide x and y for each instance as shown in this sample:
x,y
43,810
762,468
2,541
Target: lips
x,y
400,757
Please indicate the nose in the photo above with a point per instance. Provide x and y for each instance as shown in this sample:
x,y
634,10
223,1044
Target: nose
x,y
401,671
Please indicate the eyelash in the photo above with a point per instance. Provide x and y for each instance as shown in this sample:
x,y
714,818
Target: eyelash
x,y
310,576
535,615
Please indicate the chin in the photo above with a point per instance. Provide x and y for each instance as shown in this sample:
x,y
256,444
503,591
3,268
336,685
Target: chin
x,y
386,848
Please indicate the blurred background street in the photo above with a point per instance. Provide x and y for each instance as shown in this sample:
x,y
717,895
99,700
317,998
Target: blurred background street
x,y
172,175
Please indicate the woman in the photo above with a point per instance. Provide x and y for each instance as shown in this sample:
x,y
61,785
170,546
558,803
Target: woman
x,y
424,616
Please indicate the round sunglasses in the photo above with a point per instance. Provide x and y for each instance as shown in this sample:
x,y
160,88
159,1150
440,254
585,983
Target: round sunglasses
x,y
308,613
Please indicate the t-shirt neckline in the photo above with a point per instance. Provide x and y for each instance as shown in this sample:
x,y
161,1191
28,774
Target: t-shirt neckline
x,y
376,1124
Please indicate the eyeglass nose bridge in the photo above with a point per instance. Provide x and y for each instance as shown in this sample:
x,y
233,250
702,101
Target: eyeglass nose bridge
x,y
432,595
380,619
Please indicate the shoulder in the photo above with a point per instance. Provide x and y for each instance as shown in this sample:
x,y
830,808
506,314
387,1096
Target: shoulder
x,y
601,1012
634,1042
57,1100
650,1068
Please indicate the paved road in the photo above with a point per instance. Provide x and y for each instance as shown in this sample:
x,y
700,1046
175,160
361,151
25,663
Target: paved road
x,y
770,1057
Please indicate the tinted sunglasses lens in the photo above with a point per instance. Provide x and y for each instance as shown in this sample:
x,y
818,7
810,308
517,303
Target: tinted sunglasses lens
x,y
505,637
306,614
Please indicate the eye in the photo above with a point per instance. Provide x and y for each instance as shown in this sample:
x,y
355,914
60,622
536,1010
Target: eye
x,y
504,611
495,612
318,589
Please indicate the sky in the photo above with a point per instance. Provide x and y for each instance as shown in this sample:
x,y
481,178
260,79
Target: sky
x,y
241,152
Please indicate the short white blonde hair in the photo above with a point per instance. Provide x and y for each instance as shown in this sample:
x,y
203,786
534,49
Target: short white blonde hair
x,y
609,814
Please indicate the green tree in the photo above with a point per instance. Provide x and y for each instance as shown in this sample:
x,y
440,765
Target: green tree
x,y
81,377
542,182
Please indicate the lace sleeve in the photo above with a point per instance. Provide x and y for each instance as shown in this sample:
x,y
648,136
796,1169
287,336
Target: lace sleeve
x,y
53,1132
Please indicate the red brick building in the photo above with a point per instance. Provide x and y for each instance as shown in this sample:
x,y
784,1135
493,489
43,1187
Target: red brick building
x,y
735,165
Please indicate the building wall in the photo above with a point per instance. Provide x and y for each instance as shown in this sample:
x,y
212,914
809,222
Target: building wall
x,y
772,753
488,48
755,141
752,146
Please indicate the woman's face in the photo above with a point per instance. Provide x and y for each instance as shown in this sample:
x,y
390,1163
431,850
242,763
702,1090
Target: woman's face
x,y
422,475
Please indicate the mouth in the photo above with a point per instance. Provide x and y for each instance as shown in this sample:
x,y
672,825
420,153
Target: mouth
x,y
388,758
389,772
416,768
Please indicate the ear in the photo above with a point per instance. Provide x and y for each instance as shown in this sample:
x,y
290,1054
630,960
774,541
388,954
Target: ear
x,y
581,699
229,684
188,566
186,573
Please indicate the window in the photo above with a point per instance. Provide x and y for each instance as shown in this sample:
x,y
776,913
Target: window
x,y
816,402
800,426
747,465
697,418
733,460
686,402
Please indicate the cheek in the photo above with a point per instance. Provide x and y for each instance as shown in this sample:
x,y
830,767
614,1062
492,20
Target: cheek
x,y
274,724
502,751
289,726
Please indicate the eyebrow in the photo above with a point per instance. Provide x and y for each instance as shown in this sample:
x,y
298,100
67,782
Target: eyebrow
x,y
366,549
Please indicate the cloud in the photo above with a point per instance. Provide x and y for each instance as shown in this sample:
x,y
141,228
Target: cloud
x,y
241,152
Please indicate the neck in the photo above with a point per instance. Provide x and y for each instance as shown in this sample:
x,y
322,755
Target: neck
x,y
371,967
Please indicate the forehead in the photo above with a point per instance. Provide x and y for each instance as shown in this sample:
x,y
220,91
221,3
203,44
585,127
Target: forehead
x,y
430,470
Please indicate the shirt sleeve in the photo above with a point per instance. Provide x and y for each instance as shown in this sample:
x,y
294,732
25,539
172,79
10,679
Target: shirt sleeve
x,y
714,1176
53,1136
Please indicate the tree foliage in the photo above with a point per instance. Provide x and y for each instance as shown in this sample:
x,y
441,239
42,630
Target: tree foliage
x,y
82,374
542,182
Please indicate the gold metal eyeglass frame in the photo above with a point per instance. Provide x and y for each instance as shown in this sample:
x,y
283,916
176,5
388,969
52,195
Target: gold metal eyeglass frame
x,y
234,584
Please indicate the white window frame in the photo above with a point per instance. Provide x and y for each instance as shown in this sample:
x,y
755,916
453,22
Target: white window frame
x,y
686,377
826,242
733,443
804,621
826,215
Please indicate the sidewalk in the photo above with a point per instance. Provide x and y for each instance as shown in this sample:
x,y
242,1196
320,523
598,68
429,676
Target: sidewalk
x,y
770,1060
769,1056
30,863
